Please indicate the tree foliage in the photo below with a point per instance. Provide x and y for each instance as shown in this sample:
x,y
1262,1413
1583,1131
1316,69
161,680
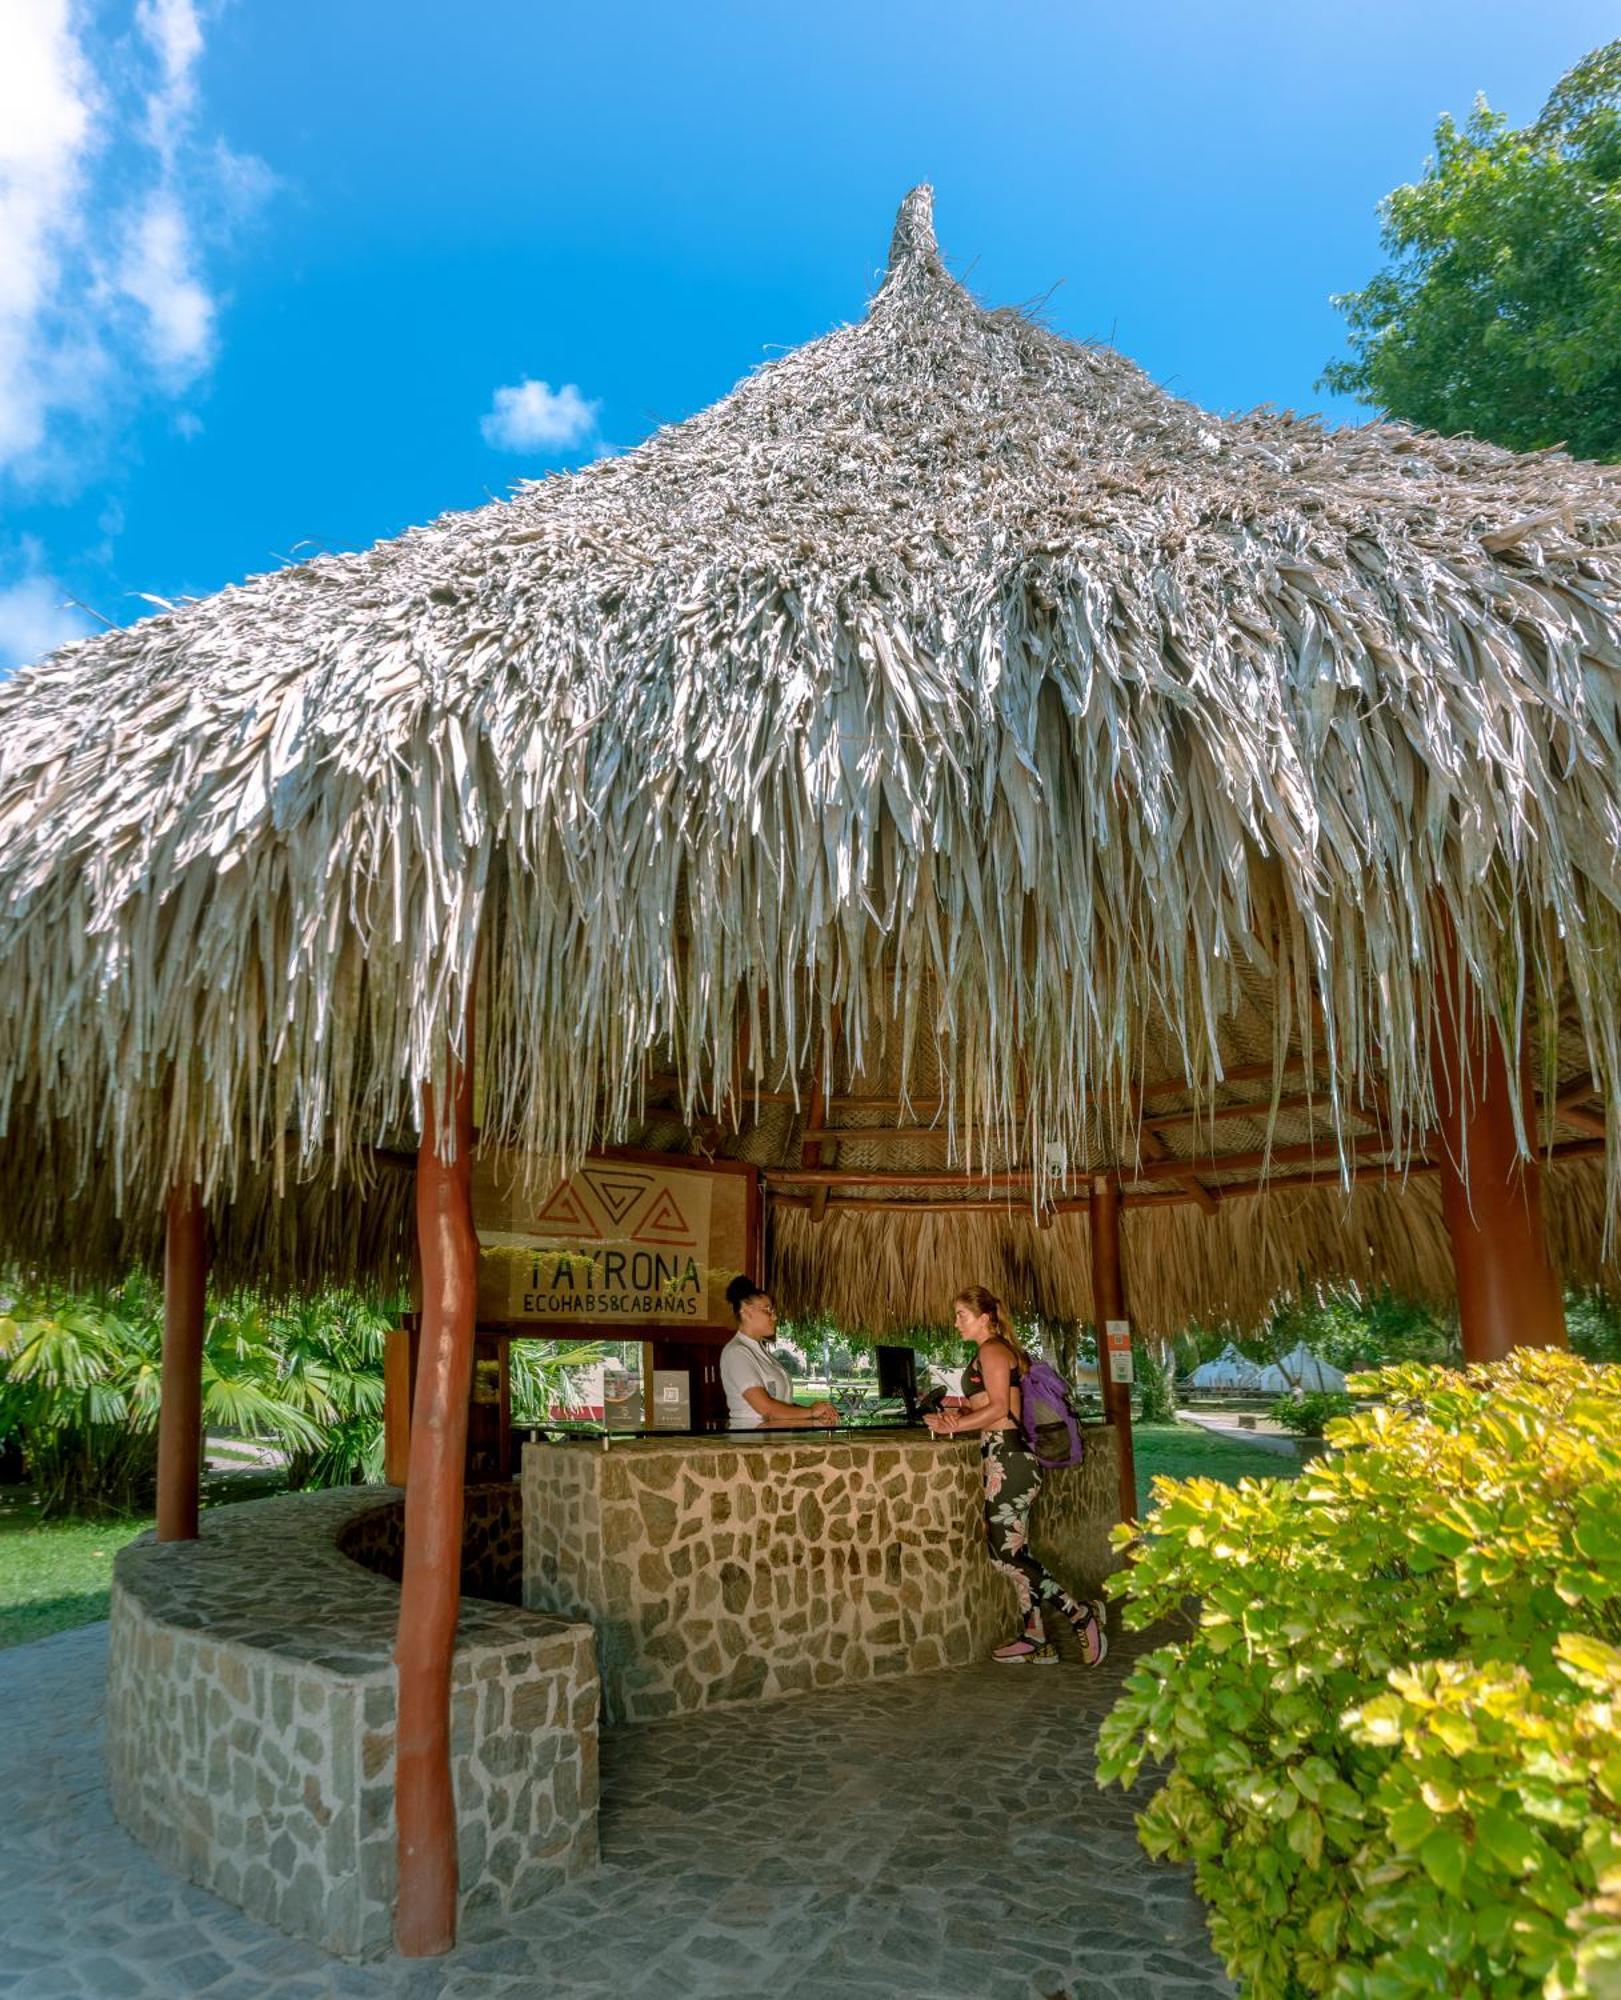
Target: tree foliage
x,y
1499,313
79,1385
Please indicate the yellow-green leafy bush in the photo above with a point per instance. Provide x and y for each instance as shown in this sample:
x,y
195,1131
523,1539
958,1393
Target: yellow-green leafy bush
x,y
1391,1741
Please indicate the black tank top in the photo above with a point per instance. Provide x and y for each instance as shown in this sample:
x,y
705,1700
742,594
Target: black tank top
x,y
973,1376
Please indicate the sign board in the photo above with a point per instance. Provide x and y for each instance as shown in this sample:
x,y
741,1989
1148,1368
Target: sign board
x,y
621,1400
672,1399
639,1243
1118,1332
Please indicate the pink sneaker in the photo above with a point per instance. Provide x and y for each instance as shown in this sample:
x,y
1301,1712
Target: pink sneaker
x,y
1090,1629
1025,1652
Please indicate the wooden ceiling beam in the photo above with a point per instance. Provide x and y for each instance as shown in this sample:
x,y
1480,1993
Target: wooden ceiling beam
x,y
1288,1107
1157,1151
834,1177
1571,1107
1572,1150
887,1135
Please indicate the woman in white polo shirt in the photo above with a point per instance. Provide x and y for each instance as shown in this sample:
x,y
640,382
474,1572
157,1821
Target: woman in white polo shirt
x,y
758,1391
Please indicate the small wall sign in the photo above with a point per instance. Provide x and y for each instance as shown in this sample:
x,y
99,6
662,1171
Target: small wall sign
x,y
1118,1333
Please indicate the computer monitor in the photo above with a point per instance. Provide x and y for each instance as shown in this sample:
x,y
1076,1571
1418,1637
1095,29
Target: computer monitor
x,y
897,1375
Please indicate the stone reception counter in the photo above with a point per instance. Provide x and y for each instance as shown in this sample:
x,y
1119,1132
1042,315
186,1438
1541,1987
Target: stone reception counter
x,y
748,1565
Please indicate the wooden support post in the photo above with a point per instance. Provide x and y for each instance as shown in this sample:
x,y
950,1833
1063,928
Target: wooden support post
x,y
1109,1303
815,1153
1508,1291
811,1152
180,1403
430,1580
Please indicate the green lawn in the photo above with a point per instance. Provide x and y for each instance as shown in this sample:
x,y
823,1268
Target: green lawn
x,y
54,1577
1183,1451
57,1576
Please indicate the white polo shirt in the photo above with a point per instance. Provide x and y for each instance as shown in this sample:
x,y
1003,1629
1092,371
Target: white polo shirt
x,y
744,1364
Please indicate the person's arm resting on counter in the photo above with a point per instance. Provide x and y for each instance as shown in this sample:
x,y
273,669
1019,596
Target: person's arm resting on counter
x,y
773,1410
988,1410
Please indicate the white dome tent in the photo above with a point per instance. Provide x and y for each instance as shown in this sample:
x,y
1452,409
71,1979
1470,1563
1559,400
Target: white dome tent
x,y
1302,1370
1230,1370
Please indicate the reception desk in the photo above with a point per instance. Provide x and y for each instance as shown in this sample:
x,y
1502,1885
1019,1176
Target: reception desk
x,y
749,1565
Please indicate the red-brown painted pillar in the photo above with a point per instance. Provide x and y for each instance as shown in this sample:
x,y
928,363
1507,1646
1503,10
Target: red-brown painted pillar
x,y
1109,1303
180,1401
430,1580
1508,1291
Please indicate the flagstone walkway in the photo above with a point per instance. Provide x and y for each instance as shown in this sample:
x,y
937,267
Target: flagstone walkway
x,y
938,1838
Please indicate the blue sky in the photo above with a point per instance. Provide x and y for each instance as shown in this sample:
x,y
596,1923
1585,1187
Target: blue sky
x,y
267,267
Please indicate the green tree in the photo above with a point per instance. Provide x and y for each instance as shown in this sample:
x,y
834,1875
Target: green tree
x,y
1500,311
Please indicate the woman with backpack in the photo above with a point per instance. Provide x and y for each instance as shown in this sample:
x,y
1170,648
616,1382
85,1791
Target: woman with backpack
x,y
994,1383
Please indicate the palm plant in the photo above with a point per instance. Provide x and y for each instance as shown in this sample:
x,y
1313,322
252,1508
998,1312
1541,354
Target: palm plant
x,y
543,1375
330,1353
79,1387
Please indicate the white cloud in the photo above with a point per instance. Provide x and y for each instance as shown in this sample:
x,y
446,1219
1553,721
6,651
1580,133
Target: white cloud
x,y
532,416
157,268
109,198
47,105
173,32
156,272
34,617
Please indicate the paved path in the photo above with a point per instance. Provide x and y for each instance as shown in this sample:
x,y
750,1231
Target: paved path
x,y
823,1849
1264,1434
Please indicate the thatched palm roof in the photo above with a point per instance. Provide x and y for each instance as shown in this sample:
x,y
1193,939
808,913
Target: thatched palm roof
x,y
947,679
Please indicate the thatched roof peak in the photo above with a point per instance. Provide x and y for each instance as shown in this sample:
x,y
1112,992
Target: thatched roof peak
x,y
947,673
912,247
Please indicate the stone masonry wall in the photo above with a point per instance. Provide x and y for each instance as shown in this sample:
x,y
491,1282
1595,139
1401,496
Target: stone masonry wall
x,y
1074,1512
742,1568
492,1541
250,1724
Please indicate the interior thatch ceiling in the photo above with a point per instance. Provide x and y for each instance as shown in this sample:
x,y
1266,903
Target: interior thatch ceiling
x,y
948,705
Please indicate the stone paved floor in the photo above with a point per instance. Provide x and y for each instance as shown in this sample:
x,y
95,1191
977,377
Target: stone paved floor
x,y
854,1844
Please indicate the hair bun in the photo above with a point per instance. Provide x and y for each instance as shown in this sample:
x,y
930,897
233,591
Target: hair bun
x,y
741,1290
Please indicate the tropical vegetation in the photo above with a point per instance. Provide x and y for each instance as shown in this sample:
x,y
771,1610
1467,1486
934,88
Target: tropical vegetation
x,y
1499,313
1388,1740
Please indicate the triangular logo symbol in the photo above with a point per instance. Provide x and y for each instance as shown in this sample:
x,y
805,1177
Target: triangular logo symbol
x,y
618,1193
565,1214
664,1223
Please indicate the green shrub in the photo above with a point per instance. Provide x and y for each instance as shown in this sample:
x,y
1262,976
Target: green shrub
x,y
1593,1320
1391,1738
1309,1414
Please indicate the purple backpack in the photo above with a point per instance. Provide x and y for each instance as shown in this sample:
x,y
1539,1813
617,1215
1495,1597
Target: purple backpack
x,y
1047,1419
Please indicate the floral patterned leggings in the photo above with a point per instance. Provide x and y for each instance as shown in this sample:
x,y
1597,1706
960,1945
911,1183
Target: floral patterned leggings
x,y
1012,1481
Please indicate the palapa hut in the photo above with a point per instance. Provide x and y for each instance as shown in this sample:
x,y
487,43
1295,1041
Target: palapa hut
x,y
982,789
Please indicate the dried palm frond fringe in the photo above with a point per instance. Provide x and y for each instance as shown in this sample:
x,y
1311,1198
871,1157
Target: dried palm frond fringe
x,y
881,1272
947,674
